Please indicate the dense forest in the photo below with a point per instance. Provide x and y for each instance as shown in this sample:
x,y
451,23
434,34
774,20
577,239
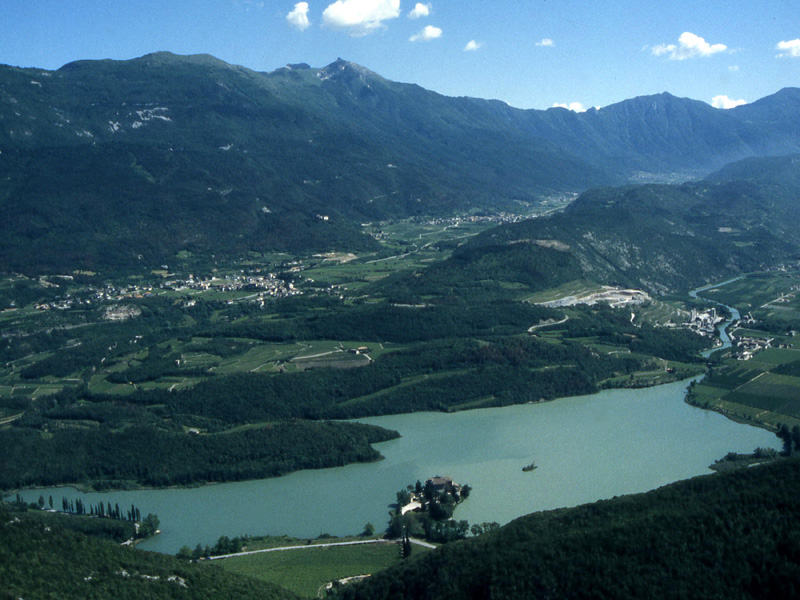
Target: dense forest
x,y
732,535
148,455
54,556
478,273
389,322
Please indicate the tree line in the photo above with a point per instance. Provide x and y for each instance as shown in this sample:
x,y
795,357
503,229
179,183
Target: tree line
x,y
727,535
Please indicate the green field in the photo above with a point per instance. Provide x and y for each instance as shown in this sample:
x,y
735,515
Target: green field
x,y
306,571
32,390
261,357
756,290
766,388
407,245
750,390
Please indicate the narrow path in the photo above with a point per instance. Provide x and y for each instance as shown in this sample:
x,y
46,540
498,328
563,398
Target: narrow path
x,y
299,358
535,327
282,548
7,420
377,260
353,543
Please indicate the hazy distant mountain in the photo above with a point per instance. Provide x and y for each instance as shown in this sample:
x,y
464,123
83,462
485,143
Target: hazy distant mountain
x,y
671,237
782,171
117,162
662,134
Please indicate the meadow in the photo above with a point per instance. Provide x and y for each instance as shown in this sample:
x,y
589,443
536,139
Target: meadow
x,y
306,571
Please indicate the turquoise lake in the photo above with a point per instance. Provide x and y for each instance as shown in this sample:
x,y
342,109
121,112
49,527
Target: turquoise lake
x,y
586,448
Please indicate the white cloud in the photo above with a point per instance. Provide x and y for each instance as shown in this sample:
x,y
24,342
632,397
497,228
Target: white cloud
x,y
689,46
472,45
663,49
790,48
426,35
573,106
733,68
298,18
725,102
420,10
547,42
360,17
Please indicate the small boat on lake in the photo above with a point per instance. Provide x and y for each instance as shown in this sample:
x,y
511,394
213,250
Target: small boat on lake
x,y
529,467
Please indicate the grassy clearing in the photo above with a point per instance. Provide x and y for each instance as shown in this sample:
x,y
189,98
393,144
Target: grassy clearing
x,y
46,389
306,571
338,360
777,356
408,381
655,376
259,358
29,389
755,290
200,360
412,246
355,275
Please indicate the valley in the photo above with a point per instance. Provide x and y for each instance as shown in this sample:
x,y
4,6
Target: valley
x,y
194,359
290,283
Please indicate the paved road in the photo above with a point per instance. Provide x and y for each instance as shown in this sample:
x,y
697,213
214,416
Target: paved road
x,y
533,328
354,543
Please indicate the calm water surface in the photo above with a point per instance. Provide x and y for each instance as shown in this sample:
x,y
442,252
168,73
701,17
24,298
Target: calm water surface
x,y
586,448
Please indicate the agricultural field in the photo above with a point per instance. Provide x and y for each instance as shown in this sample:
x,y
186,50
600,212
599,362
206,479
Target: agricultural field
x,y
307,571
760,293
212,359
76,318
764,390
407,245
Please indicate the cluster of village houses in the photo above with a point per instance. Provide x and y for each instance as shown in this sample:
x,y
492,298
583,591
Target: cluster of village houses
x,y
746,347
705,323
266,285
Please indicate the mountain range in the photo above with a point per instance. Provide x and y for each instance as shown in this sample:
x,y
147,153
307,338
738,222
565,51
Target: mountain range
x,y
662,237
117,163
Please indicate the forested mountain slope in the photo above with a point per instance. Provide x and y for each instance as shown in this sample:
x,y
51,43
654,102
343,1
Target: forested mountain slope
x,y
673,237
117,163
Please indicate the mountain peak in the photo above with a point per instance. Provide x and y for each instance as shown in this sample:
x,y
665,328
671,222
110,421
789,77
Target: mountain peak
x,y
349,70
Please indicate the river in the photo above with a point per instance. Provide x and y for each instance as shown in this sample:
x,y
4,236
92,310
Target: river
x,y
722,328
586,448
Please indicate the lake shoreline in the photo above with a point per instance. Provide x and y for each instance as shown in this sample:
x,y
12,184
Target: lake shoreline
x,y
632,441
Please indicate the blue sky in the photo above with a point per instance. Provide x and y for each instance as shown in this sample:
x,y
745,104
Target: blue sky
x,y
529,53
